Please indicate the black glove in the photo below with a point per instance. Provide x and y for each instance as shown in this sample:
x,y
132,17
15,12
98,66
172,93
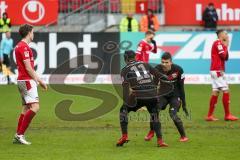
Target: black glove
x,y
153,42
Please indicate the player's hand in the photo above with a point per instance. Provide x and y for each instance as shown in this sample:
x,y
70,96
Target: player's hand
x,y
43,85
153,41
185,110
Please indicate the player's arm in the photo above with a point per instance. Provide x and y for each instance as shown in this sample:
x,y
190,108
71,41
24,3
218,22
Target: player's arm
x,y
139,52
33,74
181,79
158,75
154,46
125,86
223,51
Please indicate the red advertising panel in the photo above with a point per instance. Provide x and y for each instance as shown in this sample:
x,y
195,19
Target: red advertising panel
x,y
36,12
141,6
189,12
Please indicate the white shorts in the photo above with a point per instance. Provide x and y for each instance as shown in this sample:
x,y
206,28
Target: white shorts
x,y
219,81
28,91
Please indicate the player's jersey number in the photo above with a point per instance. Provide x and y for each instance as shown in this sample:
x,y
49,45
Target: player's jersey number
x,y
140,72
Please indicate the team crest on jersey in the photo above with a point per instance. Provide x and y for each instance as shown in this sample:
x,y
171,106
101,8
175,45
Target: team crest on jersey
x,y
174,75
26,53
220,47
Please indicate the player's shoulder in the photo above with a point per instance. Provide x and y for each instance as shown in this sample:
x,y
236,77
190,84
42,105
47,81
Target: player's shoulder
x,y
22,45
142,42
159,67
177,67
129,65
217,42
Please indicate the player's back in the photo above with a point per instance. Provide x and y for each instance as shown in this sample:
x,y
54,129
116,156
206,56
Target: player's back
x,y
23,52
140,79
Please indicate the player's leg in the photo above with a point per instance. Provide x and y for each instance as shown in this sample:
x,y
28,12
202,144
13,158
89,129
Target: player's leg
x,y
174,103
28,90
226,104
162,103
212,105
220,83
20,119
21,116
123,117
214,96
30,113
154,118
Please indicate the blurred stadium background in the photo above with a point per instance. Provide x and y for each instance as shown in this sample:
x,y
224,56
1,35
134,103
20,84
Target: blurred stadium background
x,y
67,28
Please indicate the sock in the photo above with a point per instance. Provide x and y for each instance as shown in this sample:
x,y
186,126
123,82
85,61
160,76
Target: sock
x,y
125,135
20,119
151,125
226,102
123,116
26,121
212,104
156,125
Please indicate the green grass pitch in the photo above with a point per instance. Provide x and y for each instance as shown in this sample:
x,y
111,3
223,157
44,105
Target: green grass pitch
x,y
55,139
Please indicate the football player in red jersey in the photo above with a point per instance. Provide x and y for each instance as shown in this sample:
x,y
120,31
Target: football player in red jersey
x,y
27,82
145,47
219,55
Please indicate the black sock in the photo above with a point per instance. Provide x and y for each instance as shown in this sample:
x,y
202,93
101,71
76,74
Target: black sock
x,y
123,116
156,125
179,124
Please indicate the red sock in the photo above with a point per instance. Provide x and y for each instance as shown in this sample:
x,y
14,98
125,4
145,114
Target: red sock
x,y
20,122
226,102
26,121
125,136
212,104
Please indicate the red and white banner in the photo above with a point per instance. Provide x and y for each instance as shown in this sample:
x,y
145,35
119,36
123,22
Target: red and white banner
x,y
36,12
189,12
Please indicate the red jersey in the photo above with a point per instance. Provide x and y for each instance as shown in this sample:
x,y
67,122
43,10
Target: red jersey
x,y
219,55
143,51
23,52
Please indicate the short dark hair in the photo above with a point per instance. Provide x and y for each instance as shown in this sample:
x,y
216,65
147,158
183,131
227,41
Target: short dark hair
x,y
129,55
167,56
150,32
25,29
220,31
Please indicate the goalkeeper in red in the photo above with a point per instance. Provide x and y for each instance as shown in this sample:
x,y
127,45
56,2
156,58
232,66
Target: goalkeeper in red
x,y
219,55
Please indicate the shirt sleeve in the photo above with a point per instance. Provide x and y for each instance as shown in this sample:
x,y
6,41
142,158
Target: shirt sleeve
x,y
181,79
222,51
139,52
25,53
125,86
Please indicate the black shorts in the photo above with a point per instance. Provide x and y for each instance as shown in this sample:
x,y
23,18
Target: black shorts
x,y
136,104
173,101
6,60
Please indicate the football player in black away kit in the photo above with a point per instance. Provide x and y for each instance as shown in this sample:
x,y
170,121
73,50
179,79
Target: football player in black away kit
x,y
175,98
139,90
